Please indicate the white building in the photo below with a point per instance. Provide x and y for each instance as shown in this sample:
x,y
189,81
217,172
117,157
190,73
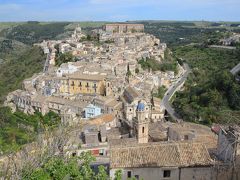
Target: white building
x,y
67,68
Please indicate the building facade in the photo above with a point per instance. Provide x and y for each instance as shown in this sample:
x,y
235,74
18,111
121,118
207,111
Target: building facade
x,y
92,111
171,161
83,84
123,28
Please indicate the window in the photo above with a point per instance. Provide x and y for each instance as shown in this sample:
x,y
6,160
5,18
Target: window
x,y
137,177
80,84
129,174
101,152
166,173
185,137
143,130
130,109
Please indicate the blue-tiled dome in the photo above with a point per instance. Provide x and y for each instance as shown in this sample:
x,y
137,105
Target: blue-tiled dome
x,y
140,106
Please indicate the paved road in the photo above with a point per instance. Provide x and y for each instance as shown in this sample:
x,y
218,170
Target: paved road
x,y
236,69
46,65
171,91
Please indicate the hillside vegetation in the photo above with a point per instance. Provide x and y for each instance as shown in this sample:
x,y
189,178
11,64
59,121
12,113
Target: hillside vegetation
x,y
19,60
14,70
211,94
183,33
18,128
169,63
57,167
34,32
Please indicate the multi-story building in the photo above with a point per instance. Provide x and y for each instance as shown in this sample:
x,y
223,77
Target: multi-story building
x,y
123,28
79,83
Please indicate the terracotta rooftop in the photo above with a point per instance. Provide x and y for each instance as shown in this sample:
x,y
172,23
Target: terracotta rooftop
x,y
203,134
184,154
105,118
67,102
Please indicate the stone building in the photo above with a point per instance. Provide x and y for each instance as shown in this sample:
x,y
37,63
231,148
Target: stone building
x,y
79,83
131,97
193,132
172,161
123,28
140,124
228,149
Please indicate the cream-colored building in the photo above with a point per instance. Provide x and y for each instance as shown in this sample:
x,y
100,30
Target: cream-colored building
x,y
79,83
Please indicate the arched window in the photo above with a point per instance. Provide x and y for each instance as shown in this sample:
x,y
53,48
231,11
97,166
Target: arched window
x,y
143,130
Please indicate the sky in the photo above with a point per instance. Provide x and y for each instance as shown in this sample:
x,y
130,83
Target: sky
x,y
119,10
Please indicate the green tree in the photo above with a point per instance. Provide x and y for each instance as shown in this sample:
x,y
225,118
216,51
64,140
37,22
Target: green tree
x,y
85,168
56,168
160,92
38,174
102,174
118,175
64,58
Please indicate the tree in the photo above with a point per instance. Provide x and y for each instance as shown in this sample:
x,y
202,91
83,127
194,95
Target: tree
x,y
102,174
58,168
38,174
118,175
64,58
85,168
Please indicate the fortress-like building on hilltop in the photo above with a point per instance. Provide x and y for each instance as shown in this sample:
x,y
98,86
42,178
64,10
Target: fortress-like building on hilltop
x,y
123,28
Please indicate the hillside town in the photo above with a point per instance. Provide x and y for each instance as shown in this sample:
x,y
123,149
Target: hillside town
x,y
108,93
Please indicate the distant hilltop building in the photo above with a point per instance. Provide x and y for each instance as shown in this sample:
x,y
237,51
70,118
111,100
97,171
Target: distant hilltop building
x,y
123,28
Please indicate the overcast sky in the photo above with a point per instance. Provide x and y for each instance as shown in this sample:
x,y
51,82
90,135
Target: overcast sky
x,y
119,10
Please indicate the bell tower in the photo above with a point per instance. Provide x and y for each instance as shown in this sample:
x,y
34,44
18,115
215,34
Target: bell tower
x,y
141,124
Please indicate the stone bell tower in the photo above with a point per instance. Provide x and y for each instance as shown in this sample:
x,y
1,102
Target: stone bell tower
x,y
141,124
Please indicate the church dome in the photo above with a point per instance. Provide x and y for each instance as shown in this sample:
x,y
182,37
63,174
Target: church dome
x,y
140,106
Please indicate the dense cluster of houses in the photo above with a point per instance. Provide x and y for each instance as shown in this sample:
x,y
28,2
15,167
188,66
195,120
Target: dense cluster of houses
x,y
124,125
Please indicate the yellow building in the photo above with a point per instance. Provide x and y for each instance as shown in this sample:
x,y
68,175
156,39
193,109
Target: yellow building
x,y
79,83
